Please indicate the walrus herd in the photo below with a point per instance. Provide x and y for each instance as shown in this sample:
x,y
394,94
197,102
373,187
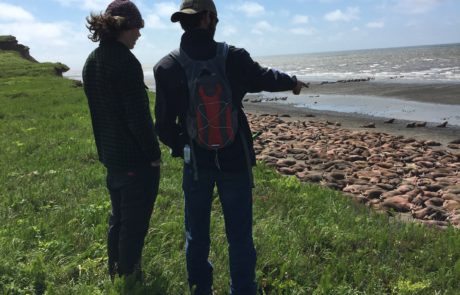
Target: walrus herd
x,y
385,172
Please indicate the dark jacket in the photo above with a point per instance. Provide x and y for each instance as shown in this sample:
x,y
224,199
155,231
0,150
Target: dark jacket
x,y
119,105
244,76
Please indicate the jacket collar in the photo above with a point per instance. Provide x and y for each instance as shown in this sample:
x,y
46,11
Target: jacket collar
x,y
198,44
113,43
197,36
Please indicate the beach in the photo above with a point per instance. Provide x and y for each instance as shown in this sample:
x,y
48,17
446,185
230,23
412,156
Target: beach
x,y
411,84
434,92
390,167
432,97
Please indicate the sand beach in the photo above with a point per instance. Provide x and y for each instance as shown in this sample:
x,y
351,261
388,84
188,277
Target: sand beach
x,y
434,92
432,97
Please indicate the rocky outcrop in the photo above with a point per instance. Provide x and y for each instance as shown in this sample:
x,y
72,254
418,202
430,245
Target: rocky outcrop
x,y
10,43
60,68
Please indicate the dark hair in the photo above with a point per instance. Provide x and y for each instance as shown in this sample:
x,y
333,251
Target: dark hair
x,y
191,21
104,27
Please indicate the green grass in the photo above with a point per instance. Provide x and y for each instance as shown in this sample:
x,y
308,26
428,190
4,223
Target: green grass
x,y
12,65
7,38
54,208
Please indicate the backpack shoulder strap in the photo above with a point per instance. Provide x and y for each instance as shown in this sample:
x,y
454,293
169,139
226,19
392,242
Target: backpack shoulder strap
x,y
184,60
181,57
222,49
222,53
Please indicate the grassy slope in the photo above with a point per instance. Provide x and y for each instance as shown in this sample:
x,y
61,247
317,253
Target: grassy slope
x,y
54,208
12,65
4,38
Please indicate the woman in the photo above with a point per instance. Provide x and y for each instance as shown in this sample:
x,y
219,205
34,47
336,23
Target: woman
x,y
124,132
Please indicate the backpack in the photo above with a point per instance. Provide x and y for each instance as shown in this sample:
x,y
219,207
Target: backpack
x,y
212,118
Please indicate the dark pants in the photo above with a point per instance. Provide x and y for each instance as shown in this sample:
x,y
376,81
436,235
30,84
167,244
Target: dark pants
x,y
132,194
235,193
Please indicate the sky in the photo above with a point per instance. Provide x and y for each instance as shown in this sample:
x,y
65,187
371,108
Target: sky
x,y
55,29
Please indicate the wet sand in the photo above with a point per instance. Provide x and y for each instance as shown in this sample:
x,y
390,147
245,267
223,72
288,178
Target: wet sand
x,y
444,94
355,121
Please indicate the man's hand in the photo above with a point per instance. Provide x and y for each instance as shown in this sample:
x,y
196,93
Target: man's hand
x,y
298,87
156,163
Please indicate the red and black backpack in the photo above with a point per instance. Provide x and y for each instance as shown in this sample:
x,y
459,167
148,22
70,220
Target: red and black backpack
x,y
212,119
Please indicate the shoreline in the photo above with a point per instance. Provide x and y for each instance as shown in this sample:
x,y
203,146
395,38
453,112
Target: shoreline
x,y
431,102
355,121
431,91
419,91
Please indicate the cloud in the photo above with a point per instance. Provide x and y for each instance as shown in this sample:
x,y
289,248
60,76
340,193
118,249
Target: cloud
x,y
321,1
250,9
262,27
10,12
160,16
44,38
376,25
350,14
300,19
302,31
229,30
19,22
412,23
415,6
153,21
92,5
283,12
57,34
165,9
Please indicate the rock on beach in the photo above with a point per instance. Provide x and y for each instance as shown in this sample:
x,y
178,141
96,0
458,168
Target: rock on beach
x,y
383,171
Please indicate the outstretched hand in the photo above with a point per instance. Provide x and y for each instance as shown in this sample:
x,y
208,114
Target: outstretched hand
x,y
298,87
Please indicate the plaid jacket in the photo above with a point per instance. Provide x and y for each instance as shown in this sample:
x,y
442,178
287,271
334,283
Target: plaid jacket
x,y
119,105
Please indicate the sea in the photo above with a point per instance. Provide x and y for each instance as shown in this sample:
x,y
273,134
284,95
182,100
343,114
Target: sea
x,y
418,64
434,63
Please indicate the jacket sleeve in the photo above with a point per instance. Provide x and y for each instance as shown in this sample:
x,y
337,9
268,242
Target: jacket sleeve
x,y
257,78
167,122
135,107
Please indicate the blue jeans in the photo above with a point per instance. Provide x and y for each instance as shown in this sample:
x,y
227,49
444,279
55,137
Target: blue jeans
x,y
235,193
132,195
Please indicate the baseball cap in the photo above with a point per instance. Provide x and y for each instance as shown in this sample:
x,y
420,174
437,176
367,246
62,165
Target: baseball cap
x,y
193,7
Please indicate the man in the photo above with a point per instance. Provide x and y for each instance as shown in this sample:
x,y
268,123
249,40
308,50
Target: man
x,y
124,132
228,168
